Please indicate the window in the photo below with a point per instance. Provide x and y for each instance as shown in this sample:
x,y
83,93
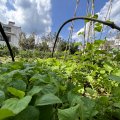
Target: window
x,y
9,38
7,29
1,38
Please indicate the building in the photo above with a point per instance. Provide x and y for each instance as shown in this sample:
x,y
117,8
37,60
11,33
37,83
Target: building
x,y
117,43
114,44
12,33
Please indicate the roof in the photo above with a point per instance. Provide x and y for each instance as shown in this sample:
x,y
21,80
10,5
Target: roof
x,y
9,25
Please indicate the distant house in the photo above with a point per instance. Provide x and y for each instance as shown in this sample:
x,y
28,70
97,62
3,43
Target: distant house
x,y
115,43
12,33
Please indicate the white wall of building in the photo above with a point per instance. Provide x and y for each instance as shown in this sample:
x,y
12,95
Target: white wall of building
x,y
14,34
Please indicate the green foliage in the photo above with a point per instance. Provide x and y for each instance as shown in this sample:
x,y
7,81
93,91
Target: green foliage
x,y
81,33
85,86
27,43
5,113
2,96
70,113
98,27
16,92
109,21
30,113
43,47
16,105
74,47
91,16
63,45
48,99
5,52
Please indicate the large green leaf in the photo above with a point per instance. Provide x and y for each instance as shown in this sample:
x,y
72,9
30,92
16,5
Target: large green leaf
x,y
116,92
2,96
77,99
18,84
86,106
5,113
34,90
117,105
89,108
47,99
49,89
68,114
16,105
39,79
74,99
113,77
116,114
30,113
108,68
15,92
46,112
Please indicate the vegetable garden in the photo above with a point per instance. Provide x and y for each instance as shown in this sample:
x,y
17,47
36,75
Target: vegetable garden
x,y
82,86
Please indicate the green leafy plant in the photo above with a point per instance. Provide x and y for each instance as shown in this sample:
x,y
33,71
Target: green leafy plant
x,y
85,86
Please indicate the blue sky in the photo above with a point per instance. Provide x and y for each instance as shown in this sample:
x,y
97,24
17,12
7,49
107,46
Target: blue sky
x,y
64,9
42,16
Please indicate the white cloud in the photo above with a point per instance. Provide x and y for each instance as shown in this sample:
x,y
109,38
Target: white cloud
x,y
114,16
77,38
87,32
3,10
115,11
31,15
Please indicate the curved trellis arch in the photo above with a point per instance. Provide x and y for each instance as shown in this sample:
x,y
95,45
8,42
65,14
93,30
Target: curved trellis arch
x,y
110,24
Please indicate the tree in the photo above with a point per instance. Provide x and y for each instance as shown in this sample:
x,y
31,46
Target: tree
x,y
74,47
43,47
31,41
27,43
50,39
22,41
63,45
